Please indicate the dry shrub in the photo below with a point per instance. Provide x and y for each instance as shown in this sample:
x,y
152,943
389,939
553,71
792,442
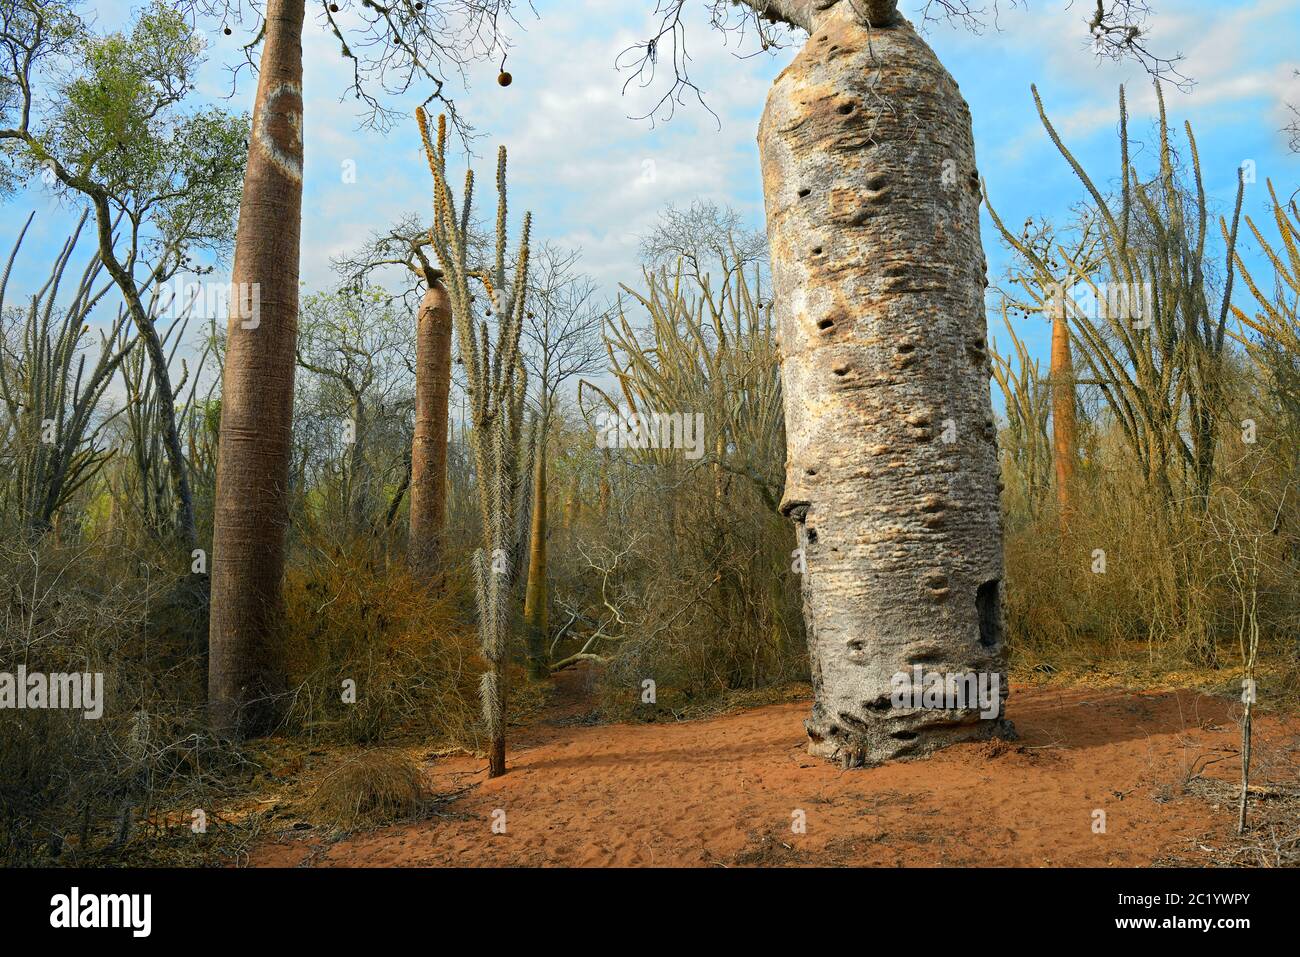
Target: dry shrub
x,y
71,787
374,787
683,570
1166,602
698,597
357,624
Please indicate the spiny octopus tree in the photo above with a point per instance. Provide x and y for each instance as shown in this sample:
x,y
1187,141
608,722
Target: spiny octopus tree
x,y
496,385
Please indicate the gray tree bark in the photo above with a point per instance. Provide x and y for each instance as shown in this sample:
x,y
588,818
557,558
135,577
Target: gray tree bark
x,y
892,476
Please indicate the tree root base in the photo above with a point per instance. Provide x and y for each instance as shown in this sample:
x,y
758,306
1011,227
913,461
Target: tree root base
x,y
868,745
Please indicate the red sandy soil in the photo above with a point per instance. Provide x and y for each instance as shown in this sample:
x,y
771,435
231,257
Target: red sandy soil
x,y
724,791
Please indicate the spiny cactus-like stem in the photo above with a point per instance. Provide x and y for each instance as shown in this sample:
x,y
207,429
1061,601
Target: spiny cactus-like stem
x,y
50,399
497,384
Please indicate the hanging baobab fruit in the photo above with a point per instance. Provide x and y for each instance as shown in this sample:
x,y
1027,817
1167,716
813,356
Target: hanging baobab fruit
x,y
891,474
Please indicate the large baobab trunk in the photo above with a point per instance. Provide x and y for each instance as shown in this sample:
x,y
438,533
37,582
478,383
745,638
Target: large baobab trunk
x,y
535,593
251,509
872,215
1064,439
429,447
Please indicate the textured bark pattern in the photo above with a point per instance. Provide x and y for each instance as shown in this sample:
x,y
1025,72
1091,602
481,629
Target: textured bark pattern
x,y
245,669
872,214
429,446
1064,439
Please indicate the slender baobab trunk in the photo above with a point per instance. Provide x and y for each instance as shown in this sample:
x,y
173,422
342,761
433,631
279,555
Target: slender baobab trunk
x,y
251,509
429,447
1064,438
497,385
892,478
535,593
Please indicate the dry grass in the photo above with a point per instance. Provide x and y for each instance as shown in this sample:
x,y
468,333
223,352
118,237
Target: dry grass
x,y
405,654
373,787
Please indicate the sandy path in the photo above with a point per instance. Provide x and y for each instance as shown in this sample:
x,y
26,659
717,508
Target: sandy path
x,y
725,791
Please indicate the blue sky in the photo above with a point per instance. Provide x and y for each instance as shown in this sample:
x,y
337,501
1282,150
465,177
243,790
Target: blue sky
x,y
595,178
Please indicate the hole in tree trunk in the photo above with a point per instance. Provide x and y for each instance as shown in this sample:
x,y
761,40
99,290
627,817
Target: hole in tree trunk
x,y
986,606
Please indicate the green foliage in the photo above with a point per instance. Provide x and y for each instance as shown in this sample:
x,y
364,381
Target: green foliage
x,y
37,34
90,112
119,123
355,347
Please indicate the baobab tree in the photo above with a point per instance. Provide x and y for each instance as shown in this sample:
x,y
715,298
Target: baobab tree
x,y
872,201
429,444
392,48
250,511
872,198
407,245
1041,280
